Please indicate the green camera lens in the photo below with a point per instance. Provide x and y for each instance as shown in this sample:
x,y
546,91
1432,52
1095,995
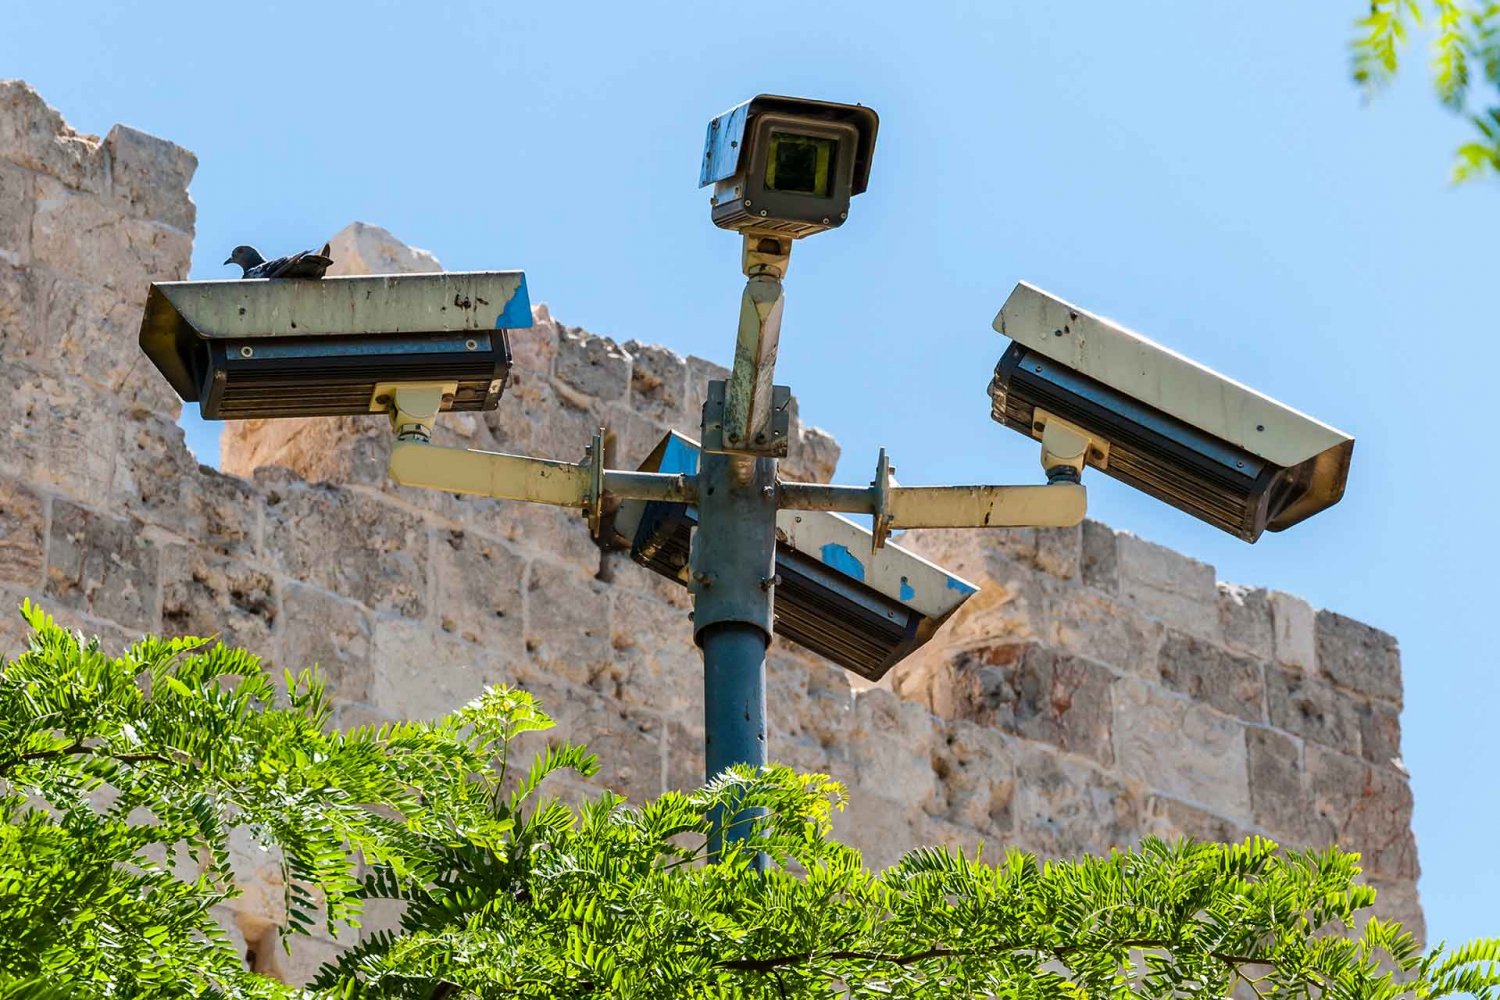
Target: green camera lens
x,y
800,164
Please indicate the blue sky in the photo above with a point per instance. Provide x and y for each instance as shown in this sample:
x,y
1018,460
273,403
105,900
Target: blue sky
x,y
1203,172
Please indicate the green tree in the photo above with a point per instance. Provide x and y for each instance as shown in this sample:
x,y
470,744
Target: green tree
x,y
1465,64
114,771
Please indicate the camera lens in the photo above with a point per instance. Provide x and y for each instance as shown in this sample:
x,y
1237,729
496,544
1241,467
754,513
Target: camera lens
x,y
800,164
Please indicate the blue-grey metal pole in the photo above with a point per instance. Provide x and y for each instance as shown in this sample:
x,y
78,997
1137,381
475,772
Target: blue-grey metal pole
x,y
733,566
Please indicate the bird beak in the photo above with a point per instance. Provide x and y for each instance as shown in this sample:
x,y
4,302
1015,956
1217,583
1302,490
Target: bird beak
x,y
229,261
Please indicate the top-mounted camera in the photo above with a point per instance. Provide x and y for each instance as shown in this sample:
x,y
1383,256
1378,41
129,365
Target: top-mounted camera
x,y
787,166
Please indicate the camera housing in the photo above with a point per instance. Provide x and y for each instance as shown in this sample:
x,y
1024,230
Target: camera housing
x,y
787,166
334,346
1163,423
862,608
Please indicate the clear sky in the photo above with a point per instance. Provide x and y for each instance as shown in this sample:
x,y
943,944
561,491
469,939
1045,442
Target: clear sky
x,y
1204,172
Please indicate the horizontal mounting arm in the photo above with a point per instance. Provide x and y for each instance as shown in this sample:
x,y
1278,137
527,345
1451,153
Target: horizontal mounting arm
x,y
1060,505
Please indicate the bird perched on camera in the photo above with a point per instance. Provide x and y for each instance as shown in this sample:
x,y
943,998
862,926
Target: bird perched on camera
x,y
305,264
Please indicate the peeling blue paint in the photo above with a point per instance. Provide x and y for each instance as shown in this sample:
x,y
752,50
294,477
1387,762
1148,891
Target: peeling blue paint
x,y
517,312
954,583
840,558
907,593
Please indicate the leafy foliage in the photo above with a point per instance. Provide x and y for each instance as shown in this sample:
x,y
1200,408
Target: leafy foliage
x,y
121,776
1465,36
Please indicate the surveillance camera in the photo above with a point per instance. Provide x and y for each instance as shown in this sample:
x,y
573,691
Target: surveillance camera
x,y
862,608
1162,423
787,166
334,346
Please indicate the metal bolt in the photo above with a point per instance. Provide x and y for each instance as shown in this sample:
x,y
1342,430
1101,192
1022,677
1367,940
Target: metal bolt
x,y
247,352
843,215
1260,427
747,202
471,345
768,492
1057,333
1239,465
760,439
763,212
767,582
825,222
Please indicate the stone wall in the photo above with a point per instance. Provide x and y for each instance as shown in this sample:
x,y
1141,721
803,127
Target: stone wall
x,y
1097,689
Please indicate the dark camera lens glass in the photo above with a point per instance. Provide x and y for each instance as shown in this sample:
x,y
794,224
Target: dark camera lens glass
x,y
801,164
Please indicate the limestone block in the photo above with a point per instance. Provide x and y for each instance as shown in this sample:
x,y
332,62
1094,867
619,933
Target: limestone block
x,y
1210,674
478,586
880,828
937,832
1278,796
567,625
812,455
976,772
205,595
89,331
224,513
628,741
1186,750
658,381
151,176
351,543
420,673
23,534
983,553
1363,808
890,745
1100,563
1294,622
533,349
1065,807
319,629
58,436
683,752
1245,616
591,365
360,248
1032,691
36,137
90,239
104,566
1012,604
1091,623
544,421
655,663
1356,656
557,534
261,904
1169,586
17,206
344,450
1170,819
628,436
18,311
15,634
1312,708
154,471
1379,732
307,956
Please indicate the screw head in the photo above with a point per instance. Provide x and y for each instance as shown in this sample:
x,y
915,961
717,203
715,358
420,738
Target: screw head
x,y
471,345
247,352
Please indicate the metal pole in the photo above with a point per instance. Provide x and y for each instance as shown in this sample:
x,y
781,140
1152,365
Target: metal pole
x,y
733,566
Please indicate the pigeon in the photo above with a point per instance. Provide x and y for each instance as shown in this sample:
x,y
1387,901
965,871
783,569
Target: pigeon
x,y
305,264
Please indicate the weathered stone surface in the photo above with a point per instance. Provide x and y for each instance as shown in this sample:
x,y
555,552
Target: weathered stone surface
x,y
89,239
360,248
1245,616
151,176
1312,708
1379,732
890,745
1235,685
1033,692
1065,807
976,779
1178,590
206,595
594,366
34,135
1296,642
1182,748
335,635
23,534
1363,808
1169,819
351,543
1356,656
654,661
102,565
55,438
478,583
17,206
1090,623
1100,562
658,381
154,473
567,624
422,673
533,349
629,741
1277,796
224,513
